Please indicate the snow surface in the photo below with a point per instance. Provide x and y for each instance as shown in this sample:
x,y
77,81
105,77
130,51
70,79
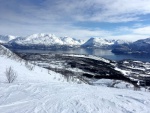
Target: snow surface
x,y
36,91
67,98
26,75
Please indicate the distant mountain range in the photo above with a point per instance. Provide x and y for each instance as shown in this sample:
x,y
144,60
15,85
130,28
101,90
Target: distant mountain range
x,y
42,41
46,39
6,38
50,41
138,47
102,43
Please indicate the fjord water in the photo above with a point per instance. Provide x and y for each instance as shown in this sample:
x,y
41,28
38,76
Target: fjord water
x,y
98,52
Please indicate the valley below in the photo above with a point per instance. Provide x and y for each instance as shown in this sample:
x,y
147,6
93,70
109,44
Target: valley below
x,y
91,68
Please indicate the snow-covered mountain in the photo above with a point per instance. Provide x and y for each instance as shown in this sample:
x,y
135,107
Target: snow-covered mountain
x,y
101,43
97,42
120,42
142,42
138,47
142,45
43,41
47,40
6,38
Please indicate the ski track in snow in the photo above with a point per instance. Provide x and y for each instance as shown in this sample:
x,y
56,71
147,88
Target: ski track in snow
x,y
70,98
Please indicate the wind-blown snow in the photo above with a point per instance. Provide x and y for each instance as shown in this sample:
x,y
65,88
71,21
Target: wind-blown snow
x,y
67,98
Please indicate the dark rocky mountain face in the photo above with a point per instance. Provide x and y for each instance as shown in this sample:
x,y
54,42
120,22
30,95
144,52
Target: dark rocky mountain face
x,y
141,46
121,49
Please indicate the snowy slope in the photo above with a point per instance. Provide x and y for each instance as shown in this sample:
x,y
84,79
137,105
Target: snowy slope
x,y
6,38
47,40
23,69
66,98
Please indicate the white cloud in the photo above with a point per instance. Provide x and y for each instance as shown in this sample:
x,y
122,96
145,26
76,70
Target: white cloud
x,y
103,11
75,10
57,29
142,31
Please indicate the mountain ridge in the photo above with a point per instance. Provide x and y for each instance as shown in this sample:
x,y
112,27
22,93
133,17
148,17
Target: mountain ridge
x,y
50,41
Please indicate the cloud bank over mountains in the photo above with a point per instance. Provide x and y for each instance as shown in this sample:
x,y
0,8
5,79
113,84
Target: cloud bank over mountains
x,y
77,18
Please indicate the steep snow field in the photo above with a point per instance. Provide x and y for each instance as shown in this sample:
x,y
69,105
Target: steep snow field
x,y
24,74
37,91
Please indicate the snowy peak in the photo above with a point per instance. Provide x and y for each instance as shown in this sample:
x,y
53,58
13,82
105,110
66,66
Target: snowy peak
x,y
119,42
100,42
47,40
97,42
50,40
6,38
68,40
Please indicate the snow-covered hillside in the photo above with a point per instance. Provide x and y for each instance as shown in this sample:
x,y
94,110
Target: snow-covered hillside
x,y
47,40
26,72
38,90
6,38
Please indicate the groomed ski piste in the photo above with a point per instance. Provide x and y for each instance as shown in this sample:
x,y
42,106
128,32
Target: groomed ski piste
x,y
37,90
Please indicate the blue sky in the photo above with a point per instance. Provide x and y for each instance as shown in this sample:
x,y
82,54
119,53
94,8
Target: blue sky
x,y
110,19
